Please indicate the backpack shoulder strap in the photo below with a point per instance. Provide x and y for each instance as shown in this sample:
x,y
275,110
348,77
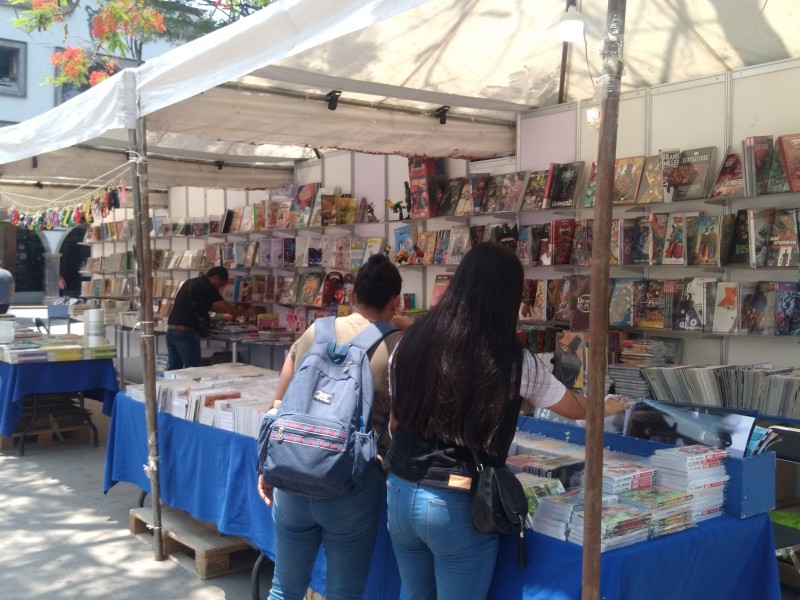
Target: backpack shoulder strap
x,y
369,336
324,330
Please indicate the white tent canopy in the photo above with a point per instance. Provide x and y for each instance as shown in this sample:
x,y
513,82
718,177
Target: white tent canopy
x,y
252,92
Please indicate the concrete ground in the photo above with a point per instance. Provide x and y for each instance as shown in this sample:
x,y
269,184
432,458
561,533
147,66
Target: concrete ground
x,y
63,538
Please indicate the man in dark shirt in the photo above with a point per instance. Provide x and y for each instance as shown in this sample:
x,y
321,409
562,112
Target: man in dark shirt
x,y
196,298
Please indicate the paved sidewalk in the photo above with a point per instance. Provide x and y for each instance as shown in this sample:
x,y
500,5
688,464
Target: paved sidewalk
x,y
62,538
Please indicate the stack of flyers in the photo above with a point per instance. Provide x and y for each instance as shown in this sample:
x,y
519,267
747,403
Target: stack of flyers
x,y
621,476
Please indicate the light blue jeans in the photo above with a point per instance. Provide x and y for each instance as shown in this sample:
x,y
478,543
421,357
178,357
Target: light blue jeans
x,y
345,525
441,556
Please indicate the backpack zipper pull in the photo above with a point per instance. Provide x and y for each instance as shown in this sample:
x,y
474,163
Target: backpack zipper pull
x,y
347,367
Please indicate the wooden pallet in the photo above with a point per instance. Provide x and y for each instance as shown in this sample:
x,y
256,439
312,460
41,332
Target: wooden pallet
x,y
43,436
193,545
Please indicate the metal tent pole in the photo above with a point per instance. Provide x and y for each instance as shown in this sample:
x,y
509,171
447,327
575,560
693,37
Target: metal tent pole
x,y
141,228
598,315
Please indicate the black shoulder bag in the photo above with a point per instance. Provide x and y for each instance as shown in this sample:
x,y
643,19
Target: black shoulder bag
x,y
499,503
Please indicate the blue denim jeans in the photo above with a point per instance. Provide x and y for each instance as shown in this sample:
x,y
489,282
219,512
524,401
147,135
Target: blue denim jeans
x,y
441,556
346,526
183,350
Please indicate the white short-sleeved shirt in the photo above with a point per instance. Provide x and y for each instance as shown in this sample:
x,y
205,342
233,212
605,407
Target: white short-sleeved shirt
x,y
539,389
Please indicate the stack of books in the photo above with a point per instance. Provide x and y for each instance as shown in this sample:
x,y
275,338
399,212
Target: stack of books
x,y
620,525
536,488
671,510
619,476
698,470
629,381
642,352
554,513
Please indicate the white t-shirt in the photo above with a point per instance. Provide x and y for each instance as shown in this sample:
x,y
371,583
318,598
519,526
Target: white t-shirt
x,y
540,389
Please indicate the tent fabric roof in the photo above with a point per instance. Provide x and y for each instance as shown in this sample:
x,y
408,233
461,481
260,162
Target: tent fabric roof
x,y
399,60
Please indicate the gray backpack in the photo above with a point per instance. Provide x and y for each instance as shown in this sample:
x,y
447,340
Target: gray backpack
x,y
320,443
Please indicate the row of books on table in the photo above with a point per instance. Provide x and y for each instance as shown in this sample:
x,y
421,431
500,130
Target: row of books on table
x,y
233,397
642,498
52,348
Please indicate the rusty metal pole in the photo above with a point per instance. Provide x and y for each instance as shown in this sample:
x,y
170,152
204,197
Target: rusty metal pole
x,y
144,261
598,315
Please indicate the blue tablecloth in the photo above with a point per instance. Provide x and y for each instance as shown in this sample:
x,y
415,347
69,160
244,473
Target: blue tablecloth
x,y
95,378
211,474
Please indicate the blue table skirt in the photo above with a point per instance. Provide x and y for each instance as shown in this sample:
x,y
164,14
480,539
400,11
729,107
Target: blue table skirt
x,y
97,378
211,474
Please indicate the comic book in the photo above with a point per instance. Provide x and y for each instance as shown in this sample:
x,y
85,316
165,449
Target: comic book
x,y
648,303
620,309
562,186
650,184
759,230
640,250
670,159
582,244
591,186
658,234
694,172
627,176
562,233
730,179
511,192
726,308
782,248
534,192
569,359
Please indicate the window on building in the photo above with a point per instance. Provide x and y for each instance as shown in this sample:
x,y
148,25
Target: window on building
x,y
67,91
13,61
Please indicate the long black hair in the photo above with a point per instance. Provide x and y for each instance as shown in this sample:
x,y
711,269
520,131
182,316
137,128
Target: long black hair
x,y
455,371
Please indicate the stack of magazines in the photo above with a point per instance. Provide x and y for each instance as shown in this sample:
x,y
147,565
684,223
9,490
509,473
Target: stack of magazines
x,y
698,470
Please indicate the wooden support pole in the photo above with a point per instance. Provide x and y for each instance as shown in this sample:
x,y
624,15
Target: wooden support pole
x,y
144,261
598,312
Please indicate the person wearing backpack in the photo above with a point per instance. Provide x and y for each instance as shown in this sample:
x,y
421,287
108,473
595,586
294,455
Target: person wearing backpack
x,y
455,389
345,523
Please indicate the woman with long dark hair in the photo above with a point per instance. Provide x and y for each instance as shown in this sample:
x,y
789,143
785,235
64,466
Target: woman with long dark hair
x,y
459,378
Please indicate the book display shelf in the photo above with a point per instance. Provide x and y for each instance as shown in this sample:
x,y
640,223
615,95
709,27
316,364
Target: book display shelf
x,y
705,121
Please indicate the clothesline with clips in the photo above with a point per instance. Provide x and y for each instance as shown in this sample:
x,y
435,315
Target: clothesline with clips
x,y
41,214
